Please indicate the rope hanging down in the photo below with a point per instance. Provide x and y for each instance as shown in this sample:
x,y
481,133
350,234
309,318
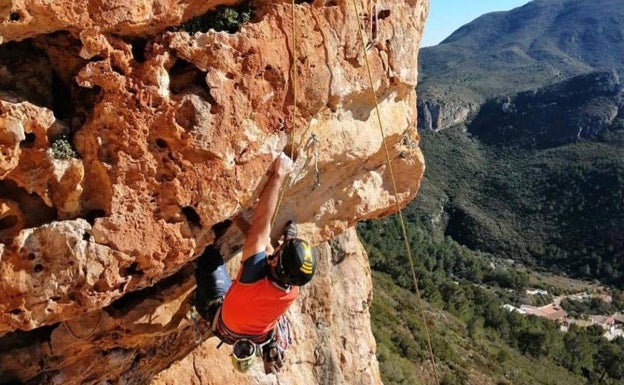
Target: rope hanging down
x,y
293,70
373,38
396,195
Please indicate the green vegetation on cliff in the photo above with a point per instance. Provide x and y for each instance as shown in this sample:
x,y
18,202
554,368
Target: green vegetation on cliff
x,y
475,341
222,18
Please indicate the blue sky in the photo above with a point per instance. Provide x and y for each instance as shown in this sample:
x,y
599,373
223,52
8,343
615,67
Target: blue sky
x,y
445,16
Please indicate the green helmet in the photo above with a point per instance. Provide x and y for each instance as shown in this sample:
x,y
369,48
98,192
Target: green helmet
x,y
296,262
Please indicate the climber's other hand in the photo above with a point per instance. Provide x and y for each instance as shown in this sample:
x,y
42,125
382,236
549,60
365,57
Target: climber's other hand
x,y
273,357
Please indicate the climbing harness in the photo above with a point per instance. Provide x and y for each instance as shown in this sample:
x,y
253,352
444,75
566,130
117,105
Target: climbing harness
x,y
244,349
396,198
229,337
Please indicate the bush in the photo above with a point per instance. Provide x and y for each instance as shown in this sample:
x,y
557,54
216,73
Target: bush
x,y
62,148
453,378
228,19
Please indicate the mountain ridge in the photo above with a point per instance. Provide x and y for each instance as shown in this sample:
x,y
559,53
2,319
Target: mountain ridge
x,y
529,174
500,53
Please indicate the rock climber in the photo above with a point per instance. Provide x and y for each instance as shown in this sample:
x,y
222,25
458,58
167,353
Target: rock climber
x,y
246,312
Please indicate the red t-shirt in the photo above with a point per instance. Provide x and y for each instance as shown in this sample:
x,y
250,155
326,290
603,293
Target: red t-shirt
x,y
253,308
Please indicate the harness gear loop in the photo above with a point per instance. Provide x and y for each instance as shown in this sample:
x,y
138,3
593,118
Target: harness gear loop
x,y
396,198
283,336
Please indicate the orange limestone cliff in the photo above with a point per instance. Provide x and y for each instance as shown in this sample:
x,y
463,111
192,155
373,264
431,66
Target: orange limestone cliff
x,y
330,324
128,144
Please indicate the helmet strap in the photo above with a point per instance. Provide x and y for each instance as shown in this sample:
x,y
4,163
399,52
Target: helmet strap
x,y
278,284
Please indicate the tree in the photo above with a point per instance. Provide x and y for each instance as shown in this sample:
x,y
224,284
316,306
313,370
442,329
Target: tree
x,y
610,360
532,341
579,350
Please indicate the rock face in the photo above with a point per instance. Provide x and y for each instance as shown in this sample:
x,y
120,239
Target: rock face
x,y
440,115
126,148
330,326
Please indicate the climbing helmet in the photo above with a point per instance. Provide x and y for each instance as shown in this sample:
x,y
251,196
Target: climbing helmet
x,y
296,262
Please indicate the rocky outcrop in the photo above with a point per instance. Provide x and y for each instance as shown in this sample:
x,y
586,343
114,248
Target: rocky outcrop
x,y
143,333
333,342
579,108
436,116
127,148
21,19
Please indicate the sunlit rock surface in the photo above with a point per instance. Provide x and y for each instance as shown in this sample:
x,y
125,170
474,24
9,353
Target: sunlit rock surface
x,y
126,148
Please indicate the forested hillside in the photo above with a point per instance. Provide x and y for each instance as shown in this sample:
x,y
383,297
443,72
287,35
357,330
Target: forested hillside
x,y
535,176
524,178
475,341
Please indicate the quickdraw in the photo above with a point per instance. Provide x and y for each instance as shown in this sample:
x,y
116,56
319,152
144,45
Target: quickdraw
x,y
197,336
283,336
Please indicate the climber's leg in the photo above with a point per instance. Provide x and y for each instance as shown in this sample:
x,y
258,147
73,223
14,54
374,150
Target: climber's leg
x,y
213,281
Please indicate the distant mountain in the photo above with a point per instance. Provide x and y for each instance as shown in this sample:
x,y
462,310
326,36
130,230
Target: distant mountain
x,y
540,43
582,107
530,165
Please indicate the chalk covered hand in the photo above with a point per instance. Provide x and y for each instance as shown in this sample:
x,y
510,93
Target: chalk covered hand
x,y
283,165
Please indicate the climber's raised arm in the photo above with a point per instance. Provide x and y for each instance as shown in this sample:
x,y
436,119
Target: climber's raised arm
x,y
258,237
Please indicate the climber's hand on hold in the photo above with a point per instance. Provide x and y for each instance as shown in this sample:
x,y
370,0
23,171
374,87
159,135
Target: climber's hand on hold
x,y
283,165
273,357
